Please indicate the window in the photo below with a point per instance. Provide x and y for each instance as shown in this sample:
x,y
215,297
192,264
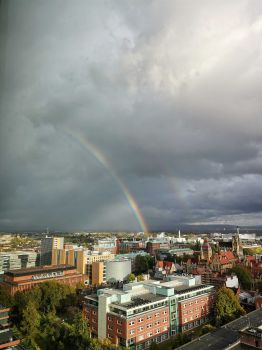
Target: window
x,y
141,337
109,318
109,336
185,320
119,322
140,329
157,331
149,334
119,331
110,327
165,312
165,328
149,317
132,331
149,325
157,322
94,312
184,305
157,314
140,320
131,323
165,320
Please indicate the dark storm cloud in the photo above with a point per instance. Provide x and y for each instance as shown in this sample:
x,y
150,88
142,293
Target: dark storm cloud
x,y
167,91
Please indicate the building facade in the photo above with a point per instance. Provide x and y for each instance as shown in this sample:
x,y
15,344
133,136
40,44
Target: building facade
x,y
17,260
149,311
128,320
47,246
24,279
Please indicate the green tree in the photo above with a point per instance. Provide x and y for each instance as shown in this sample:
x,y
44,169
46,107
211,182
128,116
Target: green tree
x,y
244,276
227,306
206,329
131,277
259,285
180,339
140,278
141,264
6,299
153,346
30,321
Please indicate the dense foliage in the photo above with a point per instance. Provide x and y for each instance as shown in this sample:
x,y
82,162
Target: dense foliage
x,y
143,263
244,276
48,317
227,306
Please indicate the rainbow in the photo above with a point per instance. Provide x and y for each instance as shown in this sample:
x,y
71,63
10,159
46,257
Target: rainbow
x,y
99,156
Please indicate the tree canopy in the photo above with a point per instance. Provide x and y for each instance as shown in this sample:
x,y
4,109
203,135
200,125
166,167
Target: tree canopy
x,y
227,306
48,317
244,276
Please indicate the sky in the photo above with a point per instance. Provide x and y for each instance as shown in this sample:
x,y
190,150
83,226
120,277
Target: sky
x,y
115,112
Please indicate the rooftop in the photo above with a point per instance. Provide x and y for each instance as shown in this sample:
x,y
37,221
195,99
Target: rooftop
x,y
38,269
226,335
141,300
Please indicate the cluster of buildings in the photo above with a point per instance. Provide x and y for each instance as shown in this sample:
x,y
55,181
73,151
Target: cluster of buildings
x,y
178,297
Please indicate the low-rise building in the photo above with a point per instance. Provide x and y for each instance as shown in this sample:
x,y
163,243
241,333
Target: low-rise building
x,y
24,279
223,261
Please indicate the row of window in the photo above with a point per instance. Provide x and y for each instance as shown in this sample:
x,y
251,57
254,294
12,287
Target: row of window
x,y
196,309
150,334
196,302
140,329
149,317
191,318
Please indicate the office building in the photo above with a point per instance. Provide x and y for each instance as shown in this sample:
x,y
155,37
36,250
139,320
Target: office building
x,y
144,312
47,246
106,245
17,260
127,318
24,279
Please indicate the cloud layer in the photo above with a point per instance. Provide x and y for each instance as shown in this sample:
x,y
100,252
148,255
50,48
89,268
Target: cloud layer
x,y
163,94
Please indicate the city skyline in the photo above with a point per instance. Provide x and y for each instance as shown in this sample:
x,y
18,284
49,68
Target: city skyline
x,y
119,115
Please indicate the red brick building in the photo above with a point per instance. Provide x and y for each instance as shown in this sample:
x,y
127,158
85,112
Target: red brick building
x,y
134,324
23,279
153,246
198,308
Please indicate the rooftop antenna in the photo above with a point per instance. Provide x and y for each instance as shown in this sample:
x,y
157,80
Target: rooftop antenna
x,y
47,231
179,234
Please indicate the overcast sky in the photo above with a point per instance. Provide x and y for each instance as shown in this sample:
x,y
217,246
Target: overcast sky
x,y
168,93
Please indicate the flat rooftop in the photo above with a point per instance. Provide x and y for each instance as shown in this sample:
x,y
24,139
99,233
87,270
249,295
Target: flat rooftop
x,y
143,299
38,269
226,335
